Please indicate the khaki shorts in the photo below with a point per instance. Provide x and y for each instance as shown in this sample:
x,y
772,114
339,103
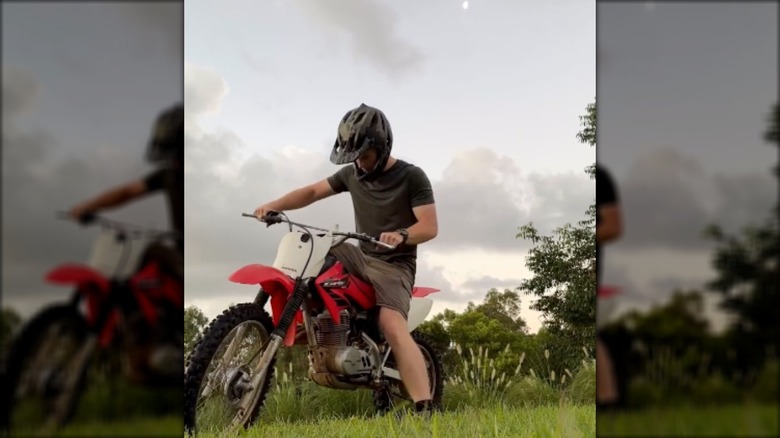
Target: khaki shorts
x,y
392,285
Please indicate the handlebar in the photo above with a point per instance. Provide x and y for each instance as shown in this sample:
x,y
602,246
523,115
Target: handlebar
x,y
276,218
128,229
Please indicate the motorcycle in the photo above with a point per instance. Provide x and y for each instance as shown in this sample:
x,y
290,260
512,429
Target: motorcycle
x,y
315,302
124,305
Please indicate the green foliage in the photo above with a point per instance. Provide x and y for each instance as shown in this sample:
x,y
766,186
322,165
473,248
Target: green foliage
x,y
588,133
747,269
564,280
503,307
194,323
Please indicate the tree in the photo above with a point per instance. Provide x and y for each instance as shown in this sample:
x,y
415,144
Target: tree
x,y
194,323
563,267
748,272
588,133
503,307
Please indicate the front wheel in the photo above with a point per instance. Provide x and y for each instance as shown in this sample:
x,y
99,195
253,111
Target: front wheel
x,y
386,399
221,367
45,370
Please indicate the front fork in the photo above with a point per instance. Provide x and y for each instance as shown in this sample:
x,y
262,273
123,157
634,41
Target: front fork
x,y
294,304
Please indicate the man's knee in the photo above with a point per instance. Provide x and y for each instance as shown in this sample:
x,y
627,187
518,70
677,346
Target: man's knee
x,y
392,323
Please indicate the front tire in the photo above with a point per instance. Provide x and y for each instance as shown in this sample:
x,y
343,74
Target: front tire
x,y
385,399
220,334
33,371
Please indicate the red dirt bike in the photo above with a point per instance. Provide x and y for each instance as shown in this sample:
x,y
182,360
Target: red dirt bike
x,y
314,302
123,305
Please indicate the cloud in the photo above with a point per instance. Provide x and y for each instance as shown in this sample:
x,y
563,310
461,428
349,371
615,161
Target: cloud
x,y
164,18
372,28
487,282
482,198
668,200
20,90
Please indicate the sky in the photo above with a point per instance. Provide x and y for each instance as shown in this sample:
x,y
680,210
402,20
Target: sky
x,y
486,100
684,93
82,85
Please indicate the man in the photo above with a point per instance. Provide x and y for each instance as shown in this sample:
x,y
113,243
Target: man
x,y
394,200
166,147
609,227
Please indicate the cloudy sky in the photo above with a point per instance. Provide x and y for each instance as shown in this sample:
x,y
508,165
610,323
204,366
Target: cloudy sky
x,y
486,100
684,92
82,84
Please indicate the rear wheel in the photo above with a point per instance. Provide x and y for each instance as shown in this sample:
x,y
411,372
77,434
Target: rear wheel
x,y
389,398
220,368
44,377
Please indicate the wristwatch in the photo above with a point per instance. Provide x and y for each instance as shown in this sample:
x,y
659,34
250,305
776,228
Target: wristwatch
x,y
404,233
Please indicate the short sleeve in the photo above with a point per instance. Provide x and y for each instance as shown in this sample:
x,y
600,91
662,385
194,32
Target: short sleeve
x,y
338,181
420,190
155,180
605,188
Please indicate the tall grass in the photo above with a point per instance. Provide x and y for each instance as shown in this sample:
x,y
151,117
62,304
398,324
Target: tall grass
x,y
476,382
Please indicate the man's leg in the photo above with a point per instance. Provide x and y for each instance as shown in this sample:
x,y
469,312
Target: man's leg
x,y
393,288
606,387
409,358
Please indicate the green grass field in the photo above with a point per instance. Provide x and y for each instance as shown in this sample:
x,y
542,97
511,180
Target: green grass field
x,y
171,425
730,420
499,421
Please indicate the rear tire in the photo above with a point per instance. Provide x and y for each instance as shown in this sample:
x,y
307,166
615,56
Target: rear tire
x,y
383,398
207,346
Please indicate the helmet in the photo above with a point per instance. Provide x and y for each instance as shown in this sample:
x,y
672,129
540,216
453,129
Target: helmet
x,y
362,128
167,139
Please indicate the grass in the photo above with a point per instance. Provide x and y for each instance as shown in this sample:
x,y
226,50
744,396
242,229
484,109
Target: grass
x,y
729,420
498,421
479,400
122,410
171,425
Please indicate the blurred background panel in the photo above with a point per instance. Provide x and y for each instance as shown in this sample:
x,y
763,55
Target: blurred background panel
x,y
687,97
82,86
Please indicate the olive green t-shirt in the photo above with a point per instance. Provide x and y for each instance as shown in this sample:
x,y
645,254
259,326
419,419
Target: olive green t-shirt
x,y
385,205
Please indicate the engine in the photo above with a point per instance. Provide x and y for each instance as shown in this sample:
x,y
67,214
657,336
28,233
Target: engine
x,y
333,353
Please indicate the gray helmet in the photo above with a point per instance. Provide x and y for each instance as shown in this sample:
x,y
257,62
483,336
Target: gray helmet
x,y
362,128
167,138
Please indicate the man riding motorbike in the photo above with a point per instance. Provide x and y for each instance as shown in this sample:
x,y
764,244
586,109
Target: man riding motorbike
x,y
394,200
165,147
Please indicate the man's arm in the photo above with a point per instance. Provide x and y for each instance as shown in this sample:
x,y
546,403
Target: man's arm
x,y
427,226
111,198
299,198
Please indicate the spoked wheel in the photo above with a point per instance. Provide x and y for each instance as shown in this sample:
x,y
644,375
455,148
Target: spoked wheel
x,y
46,370
389,398
222,372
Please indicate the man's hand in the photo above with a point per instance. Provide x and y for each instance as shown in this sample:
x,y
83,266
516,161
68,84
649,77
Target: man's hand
x,y
81,214
393,238
264,210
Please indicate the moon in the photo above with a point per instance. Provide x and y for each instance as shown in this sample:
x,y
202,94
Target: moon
x,y
465,5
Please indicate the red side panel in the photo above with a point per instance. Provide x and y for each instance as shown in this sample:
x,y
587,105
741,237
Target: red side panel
x,y
166,288
278,285
420,292
357,290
